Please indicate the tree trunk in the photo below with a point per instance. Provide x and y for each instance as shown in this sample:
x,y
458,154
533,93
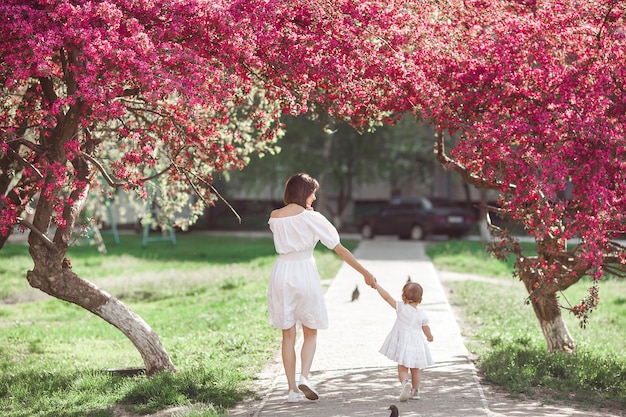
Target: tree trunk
x,y
483,229
66,285
4,239
52,272
548,312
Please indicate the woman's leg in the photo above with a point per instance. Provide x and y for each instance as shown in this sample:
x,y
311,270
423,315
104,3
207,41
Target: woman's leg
x,y
289,357
308,350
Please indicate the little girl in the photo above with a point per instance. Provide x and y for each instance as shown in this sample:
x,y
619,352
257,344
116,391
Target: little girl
x,y
405,343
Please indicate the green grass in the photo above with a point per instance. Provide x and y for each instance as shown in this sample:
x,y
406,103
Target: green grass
x,y
504,335
204,297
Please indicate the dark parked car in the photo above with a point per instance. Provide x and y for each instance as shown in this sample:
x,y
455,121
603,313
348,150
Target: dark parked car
x,y
416,217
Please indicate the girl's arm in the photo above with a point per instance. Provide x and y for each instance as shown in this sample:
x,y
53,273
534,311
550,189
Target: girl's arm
x,y
429,335
347,256
386,296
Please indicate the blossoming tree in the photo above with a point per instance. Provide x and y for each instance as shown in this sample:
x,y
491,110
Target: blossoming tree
x,y
134,93
536,89
166,93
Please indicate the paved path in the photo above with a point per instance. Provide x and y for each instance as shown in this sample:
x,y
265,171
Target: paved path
x,y
354,380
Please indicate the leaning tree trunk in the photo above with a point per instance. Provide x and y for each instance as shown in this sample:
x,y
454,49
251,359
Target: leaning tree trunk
x,y
52,273
59,281
548,312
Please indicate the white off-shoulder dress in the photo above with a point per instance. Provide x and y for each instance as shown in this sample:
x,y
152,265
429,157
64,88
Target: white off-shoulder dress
x,y
406,343
295,291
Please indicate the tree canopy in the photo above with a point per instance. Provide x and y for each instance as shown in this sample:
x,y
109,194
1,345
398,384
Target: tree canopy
x,y
137,92
539,97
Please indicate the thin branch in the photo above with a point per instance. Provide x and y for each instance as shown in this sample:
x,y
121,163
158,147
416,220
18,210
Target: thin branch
x,y
25,162
45,239
130,92
103,171
618,246
158,174
614,270
490,224
110,180
213,189
226,202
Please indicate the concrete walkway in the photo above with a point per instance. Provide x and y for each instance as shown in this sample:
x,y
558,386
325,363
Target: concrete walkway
x,y
354,380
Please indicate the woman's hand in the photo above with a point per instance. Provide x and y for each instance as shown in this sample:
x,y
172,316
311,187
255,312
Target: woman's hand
x,y
370,280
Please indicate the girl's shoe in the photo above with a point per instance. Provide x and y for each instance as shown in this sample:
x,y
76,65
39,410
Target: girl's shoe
x,y
406,391
415,394
295,397
308,389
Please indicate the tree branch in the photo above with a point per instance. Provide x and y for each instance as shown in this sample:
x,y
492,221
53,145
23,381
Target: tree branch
x,y
26,163
453,165
48,89
110,180
213,189
45,239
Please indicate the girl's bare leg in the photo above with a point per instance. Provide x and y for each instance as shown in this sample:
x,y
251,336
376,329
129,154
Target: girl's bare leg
x,y
415,378
289,357
308,349
403,373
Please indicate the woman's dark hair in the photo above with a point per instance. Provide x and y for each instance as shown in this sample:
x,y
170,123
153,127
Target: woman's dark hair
x,y
298,188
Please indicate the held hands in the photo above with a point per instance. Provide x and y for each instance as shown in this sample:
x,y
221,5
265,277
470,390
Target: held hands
x,y
370,280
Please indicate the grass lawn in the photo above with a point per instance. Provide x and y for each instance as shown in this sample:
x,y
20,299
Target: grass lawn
x,y
204,297
504,335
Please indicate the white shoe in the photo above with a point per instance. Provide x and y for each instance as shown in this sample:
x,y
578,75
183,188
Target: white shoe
x,y
295,397
415,394
406,391
308,389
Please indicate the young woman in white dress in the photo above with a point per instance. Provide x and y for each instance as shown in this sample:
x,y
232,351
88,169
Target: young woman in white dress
x,y
295,292
406,342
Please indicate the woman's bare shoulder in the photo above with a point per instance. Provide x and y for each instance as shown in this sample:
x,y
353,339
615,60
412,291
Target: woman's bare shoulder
x,y
286,211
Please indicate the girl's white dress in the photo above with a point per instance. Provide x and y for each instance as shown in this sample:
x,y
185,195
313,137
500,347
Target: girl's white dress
x,y
295,291
406,343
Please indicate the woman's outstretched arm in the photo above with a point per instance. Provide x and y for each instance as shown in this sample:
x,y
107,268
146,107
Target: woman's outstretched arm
x,y
349,258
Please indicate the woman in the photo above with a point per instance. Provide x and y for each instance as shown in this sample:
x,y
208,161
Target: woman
x,y
295,291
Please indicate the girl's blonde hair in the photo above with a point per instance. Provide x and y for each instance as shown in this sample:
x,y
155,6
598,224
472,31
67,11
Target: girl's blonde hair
x,y
298,188
412,292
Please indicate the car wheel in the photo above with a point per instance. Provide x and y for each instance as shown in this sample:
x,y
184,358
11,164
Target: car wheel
x,y
417,232
367,232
